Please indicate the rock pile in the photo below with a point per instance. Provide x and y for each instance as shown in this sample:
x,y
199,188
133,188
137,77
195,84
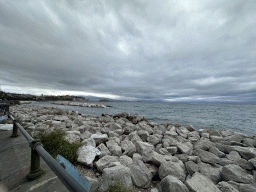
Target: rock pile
x,y
129,149
80,104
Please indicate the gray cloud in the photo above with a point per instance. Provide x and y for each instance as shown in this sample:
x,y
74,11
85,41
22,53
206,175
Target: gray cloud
x,y
169,50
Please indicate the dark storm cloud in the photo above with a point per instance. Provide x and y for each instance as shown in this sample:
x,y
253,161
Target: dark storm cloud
x,y
170,50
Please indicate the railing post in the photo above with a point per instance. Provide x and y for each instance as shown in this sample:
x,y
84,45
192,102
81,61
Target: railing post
x,y
14,130
35,169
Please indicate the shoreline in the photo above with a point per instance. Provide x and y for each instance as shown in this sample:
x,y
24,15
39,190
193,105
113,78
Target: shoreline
x,y
155,152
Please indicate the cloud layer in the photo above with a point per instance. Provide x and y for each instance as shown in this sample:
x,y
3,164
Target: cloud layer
x,y
139,49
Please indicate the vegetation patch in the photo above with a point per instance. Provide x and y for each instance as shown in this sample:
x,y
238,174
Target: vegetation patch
x,y
120,187
54,143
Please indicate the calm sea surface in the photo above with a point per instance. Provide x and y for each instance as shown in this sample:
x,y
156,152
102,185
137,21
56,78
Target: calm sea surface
x,y
237,117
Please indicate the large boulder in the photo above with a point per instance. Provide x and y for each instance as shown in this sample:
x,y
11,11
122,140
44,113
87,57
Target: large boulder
x,y
105,162
206,156
235,173
204,144
114,148
191,167
245,152
87,154
200,183
176,169
128,147
171,183
141,175
153,139
145,150
226,187
99,138
185,148
104,150
119,175
209,171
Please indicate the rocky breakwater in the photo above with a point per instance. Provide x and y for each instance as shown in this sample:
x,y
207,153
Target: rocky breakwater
x,y
153,157
81,104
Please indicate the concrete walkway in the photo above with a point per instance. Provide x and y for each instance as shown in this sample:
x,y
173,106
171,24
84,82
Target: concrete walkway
x,y
15,165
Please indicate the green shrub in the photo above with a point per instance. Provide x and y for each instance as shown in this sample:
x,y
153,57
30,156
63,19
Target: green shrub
x,y
54,143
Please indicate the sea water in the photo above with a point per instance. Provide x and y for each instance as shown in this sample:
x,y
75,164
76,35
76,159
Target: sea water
x,y
235,116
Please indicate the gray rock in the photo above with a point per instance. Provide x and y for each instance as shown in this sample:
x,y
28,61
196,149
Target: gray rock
x,y
176,169
128,147
249,142
154,190
204,144
87,154
241,187
191,167
171,183
85,135
125,160
206,156
153,169
226,133
235,173
104,150
136,156
236,137
155,158
253,161
89,141
145,150
129,129
114,148
152,139
200,183
211,131
216,138
72,138
134,137
185,148
226,187
209,171
105,162
245,152
172,150
146,127
141,175
143,135
99,138
118,174
216,152
234,156
225,161
245,164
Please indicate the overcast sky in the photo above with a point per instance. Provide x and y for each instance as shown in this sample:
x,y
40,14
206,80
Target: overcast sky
x,y
174,50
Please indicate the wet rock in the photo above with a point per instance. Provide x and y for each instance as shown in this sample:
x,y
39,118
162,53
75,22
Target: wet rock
x,y
171,183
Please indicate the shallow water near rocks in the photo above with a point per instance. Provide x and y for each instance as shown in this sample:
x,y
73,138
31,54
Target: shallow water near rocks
x,y
237,117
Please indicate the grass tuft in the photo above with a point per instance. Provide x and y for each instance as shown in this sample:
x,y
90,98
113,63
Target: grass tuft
x,y
54,143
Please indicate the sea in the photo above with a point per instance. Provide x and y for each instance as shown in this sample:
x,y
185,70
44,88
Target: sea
x,y
239,117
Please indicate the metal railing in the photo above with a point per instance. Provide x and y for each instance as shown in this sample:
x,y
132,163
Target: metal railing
x,y
37,150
